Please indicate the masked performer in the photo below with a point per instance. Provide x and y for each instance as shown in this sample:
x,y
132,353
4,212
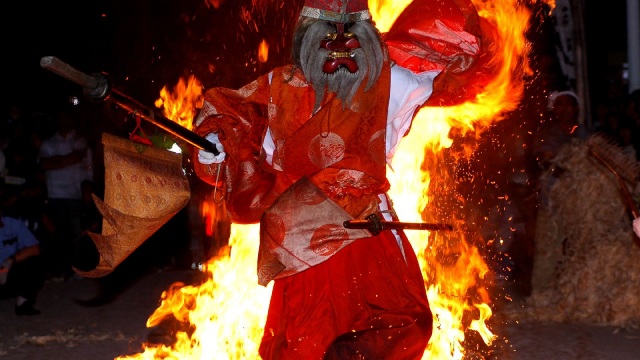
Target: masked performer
x,y
305,147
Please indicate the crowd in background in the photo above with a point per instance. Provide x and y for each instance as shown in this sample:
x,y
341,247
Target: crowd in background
x,y
50,166
60,219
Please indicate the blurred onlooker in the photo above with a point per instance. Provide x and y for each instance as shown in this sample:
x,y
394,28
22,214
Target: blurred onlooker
x,y
563,125
67,161
563,128
21,272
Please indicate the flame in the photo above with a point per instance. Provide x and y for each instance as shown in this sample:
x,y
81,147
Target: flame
x,y
263,51
182,103
225,314
455,272
385,12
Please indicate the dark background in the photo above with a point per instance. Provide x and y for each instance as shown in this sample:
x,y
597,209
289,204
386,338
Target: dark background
x,y
144,45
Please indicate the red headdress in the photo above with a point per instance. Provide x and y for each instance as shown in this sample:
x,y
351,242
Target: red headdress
x,y
339,11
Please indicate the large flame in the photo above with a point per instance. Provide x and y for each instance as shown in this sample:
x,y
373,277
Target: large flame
x,y
225,314
454,269
181,104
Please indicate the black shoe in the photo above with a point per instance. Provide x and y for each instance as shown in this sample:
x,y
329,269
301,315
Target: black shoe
x,y
26,309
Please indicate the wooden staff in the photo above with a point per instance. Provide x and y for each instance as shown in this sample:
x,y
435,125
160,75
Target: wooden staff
x,y
98,87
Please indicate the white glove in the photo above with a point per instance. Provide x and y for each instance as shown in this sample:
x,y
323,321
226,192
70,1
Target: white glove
x,y
207,158
636,226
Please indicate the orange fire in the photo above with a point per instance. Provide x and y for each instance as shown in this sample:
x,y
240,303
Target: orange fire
x,y
263,51
455,272
182,103
226,313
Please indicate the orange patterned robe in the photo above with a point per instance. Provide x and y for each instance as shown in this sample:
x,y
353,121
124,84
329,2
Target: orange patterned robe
x,y
327,167
338,293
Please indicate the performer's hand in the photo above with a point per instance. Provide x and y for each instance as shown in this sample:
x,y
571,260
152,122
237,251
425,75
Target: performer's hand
x,y
636,226
207,158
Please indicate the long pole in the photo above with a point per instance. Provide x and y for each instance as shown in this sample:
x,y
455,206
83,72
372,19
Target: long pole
x,y
98,87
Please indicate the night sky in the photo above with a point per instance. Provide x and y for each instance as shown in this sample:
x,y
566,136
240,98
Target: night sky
x,y
144,45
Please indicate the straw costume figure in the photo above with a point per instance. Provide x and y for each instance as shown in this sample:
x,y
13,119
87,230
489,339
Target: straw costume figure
x,y
305,147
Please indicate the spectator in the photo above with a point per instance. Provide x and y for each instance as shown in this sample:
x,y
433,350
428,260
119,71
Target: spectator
x,y
67,161
564,128
564,125
21,272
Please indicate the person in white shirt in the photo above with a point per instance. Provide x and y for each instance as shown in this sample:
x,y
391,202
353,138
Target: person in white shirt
x,y
66,160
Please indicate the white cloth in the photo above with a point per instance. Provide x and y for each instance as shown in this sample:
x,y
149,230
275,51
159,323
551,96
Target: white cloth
x,y
64,183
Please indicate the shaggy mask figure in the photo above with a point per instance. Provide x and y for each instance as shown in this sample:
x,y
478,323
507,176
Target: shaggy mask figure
x,y
310,54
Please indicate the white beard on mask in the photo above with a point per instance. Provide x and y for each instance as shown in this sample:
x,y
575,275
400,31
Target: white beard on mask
x,y
369,58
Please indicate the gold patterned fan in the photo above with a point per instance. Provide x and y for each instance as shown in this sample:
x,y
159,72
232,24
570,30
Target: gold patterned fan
x,y
144,188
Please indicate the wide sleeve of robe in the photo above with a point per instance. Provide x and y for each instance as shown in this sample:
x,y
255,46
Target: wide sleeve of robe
x,y
447,36
240,119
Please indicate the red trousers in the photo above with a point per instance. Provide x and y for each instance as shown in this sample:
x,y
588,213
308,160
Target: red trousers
x,y
365,302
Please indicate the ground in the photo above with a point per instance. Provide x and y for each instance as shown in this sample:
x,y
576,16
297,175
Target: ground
x,y
77,323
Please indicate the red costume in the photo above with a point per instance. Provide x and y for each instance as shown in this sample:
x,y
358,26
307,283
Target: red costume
x,y
301,171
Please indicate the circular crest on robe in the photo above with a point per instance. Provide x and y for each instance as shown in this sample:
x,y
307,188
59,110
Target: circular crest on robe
x,y
270,267
274,225
327,239
326,150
